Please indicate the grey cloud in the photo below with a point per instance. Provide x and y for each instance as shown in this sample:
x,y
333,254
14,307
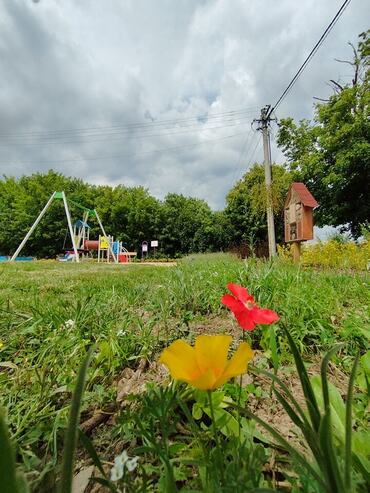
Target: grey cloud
x,y
70,65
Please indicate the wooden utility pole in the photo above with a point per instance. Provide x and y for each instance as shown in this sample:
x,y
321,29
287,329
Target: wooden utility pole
x,y
264,123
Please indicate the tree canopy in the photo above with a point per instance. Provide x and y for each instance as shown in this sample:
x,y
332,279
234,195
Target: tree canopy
x,y
181,224
246,205
331,155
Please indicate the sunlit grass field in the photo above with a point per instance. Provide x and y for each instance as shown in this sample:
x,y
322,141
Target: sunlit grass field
x,y
51,313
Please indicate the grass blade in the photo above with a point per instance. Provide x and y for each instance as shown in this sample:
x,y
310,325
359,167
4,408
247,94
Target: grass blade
x,y
293,452
324,374
329,464
7,463
284,387
89,447
348,438
72,429
313,408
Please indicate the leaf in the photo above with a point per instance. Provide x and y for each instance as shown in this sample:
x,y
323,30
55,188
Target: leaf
x,y
197,411
277,436
348,440
7,461
337,406
72,429
305,383
8,364
324,373
86,442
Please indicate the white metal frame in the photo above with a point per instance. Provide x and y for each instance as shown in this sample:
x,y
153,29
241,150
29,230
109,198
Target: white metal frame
x,y
71,232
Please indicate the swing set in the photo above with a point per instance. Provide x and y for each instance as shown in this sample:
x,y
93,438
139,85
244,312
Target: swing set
x,y
80,235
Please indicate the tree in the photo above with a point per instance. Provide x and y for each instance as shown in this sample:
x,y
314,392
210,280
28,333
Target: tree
x,y
21,202
188,225
331,155
246,205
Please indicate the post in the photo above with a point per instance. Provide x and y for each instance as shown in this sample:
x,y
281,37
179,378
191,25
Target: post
x,y
268,180
104,233
70,226
296,252
24,241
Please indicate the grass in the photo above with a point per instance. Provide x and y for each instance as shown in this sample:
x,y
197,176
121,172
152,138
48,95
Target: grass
x,y
52,313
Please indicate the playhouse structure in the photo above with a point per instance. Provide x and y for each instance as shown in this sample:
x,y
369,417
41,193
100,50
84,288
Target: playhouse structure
x,y
107,249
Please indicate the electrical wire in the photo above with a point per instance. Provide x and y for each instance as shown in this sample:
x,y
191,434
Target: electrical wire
x,y
119,135
251,157
98,158
310,56
246,145
200,118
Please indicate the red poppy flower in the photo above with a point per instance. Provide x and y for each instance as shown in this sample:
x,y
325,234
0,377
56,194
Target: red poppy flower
x,y
246,312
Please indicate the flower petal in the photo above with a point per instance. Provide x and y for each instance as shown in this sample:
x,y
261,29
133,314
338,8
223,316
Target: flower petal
x,y
241,312
237,364
206,381
264,316
240,292
211,352
232,303
181,361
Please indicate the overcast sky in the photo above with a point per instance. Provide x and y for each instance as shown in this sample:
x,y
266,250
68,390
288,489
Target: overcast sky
x,y
159,93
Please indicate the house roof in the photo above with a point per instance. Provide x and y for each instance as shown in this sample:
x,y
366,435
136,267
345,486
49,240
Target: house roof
x,y
303,193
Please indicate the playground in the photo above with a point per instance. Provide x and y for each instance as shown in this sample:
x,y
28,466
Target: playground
x,y
82,247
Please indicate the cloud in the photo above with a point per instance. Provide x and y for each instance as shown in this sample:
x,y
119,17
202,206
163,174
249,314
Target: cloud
x,y
78,76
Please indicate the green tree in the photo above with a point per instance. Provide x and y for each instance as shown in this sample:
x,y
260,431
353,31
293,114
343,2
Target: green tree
x,y
132,216
188,225
246,205
20,203
331,155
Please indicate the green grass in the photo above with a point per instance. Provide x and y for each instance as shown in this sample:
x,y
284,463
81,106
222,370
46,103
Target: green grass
x,y
131,312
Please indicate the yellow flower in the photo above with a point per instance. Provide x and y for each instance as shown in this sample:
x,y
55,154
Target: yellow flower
x,y
205,366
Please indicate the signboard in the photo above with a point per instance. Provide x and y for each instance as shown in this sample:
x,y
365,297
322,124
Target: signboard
x,y
154,243
103,243
144,247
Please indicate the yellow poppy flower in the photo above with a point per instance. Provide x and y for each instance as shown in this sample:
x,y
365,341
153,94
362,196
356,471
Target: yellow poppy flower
x,y
205,366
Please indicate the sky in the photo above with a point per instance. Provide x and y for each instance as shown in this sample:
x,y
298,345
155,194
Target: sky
x,y
160,93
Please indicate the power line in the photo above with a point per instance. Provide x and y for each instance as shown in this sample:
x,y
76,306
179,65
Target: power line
x,y
248,140
81,139
98,158
310,56
253,154
200,118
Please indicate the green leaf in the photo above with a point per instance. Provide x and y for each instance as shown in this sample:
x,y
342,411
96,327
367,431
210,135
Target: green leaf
x,y
329,464
86,442
337,406
72,429
8,478
348,440
197,411
278,437
305,382
324,373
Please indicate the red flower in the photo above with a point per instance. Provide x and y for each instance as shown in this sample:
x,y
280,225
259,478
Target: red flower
x,y
246,312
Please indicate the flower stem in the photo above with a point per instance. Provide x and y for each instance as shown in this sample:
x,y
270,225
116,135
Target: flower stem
x,y
217,441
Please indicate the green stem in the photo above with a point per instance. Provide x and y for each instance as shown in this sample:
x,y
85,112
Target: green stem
x,y
217,441
240,393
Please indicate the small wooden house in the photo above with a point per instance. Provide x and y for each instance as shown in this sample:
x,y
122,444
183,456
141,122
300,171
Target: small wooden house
x,y
298,213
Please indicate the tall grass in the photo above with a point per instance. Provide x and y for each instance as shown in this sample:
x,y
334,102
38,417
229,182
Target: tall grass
x,y
51,313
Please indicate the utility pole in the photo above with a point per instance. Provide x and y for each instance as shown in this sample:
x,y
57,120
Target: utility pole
x,y
264,126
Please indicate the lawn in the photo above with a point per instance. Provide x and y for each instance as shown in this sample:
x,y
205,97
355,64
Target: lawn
x,y
52,313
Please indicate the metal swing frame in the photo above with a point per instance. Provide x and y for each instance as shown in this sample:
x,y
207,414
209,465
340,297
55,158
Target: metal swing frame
x,y
62,196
